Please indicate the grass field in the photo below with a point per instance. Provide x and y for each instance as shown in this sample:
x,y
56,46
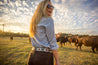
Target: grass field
x,y
15,52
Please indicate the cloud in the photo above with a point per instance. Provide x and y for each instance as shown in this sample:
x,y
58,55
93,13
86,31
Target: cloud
x,y
73,20
25,4
18,3
32,3
11,4
56,0
1,3
5,1
20,24
96,21
70,16
16,29
63,1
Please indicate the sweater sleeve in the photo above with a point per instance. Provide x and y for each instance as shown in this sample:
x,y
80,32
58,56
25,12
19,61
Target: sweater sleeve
x,y
51,34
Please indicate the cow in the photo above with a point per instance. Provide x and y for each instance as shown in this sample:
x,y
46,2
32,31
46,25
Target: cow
x,y
11,37
88,41
73,39
79,43
70,40
62,40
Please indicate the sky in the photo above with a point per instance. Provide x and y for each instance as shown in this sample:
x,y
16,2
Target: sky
x,y
70,16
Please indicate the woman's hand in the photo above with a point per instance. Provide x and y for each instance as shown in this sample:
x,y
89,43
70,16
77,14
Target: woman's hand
x,y
57,63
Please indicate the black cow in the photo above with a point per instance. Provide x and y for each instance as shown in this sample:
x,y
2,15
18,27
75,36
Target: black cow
x,y
62,40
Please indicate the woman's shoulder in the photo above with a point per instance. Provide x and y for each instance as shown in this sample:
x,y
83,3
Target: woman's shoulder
x,y
46,19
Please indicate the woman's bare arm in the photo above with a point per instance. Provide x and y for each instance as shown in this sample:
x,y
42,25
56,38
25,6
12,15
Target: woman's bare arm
x,y
55,53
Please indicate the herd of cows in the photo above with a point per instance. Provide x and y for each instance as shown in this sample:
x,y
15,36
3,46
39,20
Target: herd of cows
x,y
91,41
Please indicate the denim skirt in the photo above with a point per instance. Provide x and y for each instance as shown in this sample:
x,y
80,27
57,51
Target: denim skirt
x,y
40,58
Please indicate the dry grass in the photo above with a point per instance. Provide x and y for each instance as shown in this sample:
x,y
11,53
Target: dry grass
x,y
16,52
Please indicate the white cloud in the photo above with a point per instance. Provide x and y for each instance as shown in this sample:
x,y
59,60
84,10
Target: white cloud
x,y
5,1
71,19
93,32
25,4
5,10
5,17
32,3
1,3
11,4
95,22
19,24
36,2
63,1
13,11
69,16
59,6
16,29
56,0
18,3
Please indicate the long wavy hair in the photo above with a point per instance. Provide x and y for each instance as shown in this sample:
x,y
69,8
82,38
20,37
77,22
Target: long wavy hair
x,y
38,14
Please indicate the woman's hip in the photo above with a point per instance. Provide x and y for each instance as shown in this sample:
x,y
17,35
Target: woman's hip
x,y
40,58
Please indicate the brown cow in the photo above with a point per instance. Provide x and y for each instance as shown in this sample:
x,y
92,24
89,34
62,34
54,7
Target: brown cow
x,y
11,37
73,39
70,40
79,43
88,41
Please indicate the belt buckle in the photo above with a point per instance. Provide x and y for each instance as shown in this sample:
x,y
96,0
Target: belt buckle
x,y
38,49
42,49
46,49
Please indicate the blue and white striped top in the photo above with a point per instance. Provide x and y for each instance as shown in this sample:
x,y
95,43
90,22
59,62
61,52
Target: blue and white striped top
x,y
45,35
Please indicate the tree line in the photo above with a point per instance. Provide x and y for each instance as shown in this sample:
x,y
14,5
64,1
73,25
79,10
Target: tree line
x,y
8,34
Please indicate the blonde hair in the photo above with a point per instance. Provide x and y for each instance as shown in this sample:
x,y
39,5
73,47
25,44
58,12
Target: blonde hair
x,y
39,13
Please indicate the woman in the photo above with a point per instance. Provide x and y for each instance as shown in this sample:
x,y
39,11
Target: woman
x,y
42,36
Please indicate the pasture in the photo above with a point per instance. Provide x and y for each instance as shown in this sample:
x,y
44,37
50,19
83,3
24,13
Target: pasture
x,y
16,51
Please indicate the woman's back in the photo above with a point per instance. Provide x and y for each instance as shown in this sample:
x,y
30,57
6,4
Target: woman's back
x,y
41,38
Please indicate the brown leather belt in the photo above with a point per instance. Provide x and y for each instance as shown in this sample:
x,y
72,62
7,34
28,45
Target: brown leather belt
x,y
42,49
